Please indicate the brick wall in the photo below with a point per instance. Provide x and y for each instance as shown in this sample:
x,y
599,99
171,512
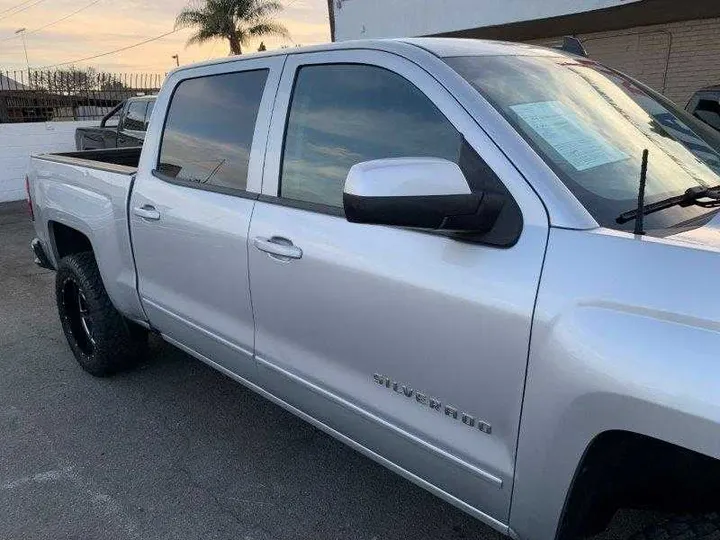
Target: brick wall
x,y
689,51
19,141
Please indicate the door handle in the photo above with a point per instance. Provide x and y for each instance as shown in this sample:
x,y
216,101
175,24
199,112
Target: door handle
x,y
279,247
147,211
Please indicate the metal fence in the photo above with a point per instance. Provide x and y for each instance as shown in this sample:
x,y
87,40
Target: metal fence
x,y
69,94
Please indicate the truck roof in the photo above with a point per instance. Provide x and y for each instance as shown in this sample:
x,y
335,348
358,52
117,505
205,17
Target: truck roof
x,y
448,47
442,47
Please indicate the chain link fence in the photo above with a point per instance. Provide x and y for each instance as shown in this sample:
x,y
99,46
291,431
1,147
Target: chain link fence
x,y
69,94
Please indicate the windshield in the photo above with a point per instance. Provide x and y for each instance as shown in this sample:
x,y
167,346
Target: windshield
x,y
590,124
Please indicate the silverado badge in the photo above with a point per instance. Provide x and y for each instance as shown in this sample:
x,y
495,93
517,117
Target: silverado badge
x,y
432,403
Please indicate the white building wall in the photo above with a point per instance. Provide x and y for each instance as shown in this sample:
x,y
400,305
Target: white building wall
x,y
19,141
359,19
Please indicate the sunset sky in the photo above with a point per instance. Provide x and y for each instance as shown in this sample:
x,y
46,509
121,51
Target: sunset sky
x,y
109,25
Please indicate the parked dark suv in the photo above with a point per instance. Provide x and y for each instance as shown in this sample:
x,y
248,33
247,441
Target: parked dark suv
x,y
705,105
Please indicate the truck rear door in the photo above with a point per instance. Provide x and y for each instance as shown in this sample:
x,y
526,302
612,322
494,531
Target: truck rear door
x,y
191,206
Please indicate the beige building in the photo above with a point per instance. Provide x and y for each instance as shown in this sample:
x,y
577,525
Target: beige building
x,y
671,45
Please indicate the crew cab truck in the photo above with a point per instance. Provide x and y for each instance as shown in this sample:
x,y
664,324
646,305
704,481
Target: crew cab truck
x,y
428,249
122,127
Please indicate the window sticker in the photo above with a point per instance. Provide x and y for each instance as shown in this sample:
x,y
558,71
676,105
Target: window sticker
x,y
573,139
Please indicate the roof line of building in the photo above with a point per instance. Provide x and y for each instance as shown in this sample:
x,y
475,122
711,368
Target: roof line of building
x,y
643,13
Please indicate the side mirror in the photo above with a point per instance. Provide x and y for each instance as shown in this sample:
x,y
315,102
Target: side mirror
x,y
425,193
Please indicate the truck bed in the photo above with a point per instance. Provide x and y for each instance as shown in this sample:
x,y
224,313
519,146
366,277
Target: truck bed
x,y
89,192
119,160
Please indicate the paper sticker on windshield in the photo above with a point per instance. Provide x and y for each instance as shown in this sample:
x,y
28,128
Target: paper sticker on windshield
x,y
577,143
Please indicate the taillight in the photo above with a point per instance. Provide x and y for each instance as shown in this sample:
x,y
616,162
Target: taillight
x,y
29,199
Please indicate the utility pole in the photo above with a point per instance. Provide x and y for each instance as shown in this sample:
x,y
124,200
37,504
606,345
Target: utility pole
x,y
176,57
21,32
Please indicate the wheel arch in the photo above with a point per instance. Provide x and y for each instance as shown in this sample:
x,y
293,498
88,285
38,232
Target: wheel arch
x,y
109,242
624,469
67,240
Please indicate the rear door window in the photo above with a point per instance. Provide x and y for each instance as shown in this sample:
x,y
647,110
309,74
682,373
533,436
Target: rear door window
x,y
209,130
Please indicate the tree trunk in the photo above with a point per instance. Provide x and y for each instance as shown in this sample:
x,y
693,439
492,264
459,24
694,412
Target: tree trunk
x,y
234,44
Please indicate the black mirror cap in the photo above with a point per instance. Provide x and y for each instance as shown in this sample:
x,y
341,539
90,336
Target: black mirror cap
x,y
488,218
422,212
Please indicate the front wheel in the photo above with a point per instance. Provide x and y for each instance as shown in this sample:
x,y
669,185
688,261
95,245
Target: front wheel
x,y
692,527
102,340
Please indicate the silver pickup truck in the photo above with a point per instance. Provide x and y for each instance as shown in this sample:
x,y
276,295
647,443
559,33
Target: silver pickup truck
x,y
453,255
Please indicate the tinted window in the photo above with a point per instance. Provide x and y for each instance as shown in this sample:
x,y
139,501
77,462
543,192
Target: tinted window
x,y
135,116
345,114
209,129
148,113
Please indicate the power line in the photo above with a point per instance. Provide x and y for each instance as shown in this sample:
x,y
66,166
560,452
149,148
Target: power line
x,y
112,52
48,25
22,9
65,18
15,6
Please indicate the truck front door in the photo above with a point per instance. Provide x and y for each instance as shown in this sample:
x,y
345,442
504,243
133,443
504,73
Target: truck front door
x,y
412,344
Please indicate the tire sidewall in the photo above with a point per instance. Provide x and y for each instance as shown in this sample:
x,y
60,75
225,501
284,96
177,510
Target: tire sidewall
x,y
63,275
114,348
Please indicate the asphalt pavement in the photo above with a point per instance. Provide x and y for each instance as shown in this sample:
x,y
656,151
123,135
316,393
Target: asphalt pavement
x,y
174,450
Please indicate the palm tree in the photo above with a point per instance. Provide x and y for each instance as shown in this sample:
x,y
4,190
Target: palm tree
x,y
235,20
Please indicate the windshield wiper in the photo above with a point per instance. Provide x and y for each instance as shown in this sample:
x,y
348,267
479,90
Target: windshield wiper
x,y
692,196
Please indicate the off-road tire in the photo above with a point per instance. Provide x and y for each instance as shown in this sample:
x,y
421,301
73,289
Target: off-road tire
x,y
102,340
692,527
